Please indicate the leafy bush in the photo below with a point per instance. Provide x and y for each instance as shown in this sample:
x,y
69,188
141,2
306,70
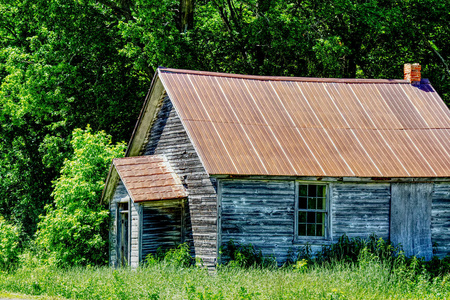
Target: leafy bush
x,y
179,256
246,256
362,252
300,265
75,229
9,244
349,249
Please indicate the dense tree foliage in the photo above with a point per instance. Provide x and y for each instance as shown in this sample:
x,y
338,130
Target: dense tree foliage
x,y
60,68
75,228
68,63
10,236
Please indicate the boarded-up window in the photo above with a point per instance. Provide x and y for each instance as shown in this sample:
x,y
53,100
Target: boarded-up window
x,y
165,225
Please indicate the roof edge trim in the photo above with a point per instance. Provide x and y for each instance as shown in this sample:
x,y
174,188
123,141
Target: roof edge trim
x,y
146,117
121,179
110,184
283,78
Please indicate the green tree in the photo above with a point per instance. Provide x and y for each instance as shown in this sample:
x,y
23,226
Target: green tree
x,y
74,230
60,69
65,64
10,247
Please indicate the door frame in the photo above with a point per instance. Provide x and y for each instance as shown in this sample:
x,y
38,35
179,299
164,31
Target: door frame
x,y
123,214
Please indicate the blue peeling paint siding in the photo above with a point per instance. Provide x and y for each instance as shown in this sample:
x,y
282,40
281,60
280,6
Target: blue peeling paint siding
x,y
440,219
262,213
358,210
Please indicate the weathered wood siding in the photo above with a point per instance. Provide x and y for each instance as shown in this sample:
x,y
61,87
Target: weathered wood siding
x,y
165,225
120,195
134,227
263,213
260,213
440,219
358,210
168,137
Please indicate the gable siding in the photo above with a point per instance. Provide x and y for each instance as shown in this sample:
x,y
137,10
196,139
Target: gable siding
x,y
358,210
440,219
168,137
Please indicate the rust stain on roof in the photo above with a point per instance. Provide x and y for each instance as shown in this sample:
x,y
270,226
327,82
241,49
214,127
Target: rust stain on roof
x,y
257,125
148,178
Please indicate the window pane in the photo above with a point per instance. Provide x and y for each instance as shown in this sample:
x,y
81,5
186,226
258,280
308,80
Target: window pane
x,y
302,216
312,190
311,217
302,190
320,203
312,203
311,230
302,229
321,190
320,218
302,202
320,230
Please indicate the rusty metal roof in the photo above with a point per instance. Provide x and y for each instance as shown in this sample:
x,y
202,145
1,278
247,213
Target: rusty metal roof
x,y
149,178
255,125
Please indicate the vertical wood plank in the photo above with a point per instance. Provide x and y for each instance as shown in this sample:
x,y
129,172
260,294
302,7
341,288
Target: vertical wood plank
x,y
411,218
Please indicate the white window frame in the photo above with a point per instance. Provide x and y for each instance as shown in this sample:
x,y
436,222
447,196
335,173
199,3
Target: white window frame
x,y
326,236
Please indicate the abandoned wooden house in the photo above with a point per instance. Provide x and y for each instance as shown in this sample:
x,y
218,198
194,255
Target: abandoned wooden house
x,y
282,161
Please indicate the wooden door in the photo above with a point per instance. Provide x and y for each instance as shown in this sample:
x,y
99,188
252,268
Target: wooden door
x,y
410,220
122,235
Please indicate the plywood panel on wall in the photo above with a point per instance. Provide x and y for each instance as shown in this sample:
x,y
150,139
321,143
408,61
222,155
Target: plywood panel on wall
x,y
411,218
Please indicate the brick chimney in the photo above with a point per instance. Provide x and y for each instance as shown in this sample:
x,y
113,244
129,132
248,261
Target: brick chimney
x,y
412,73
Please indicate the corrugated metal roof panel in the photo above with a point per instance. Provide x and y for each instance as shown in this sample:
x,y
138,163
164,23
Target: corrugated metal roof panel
x,y
214,153
375,106
297,151
300,112
348,105
408,154
431,149
380,152
148,178
254,125
443,136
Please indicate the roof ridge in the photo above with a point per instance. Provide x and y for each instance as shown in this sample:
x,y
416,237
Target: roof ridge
x,y
283,78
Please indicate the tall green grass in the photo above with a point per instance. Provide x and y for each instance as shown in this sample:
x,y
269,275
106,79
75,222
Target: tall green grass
x,y
369,279
351,269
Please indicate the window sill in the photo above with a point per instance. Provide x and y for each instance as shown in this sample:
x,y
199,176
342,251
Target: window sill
x,y
311,240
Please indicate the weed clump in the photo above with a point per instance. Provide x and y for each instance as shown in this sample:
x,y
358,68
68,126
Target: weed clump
x,y
245,256
178,257
362,253
349,249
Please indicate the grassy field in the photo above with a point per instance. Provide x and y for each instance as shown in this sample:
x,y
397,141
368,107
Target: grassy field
x,y
362,280
349,269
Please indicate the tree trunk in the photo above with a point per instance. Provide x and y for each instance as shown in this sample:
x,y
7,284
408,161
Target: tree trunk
x,y
186,15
